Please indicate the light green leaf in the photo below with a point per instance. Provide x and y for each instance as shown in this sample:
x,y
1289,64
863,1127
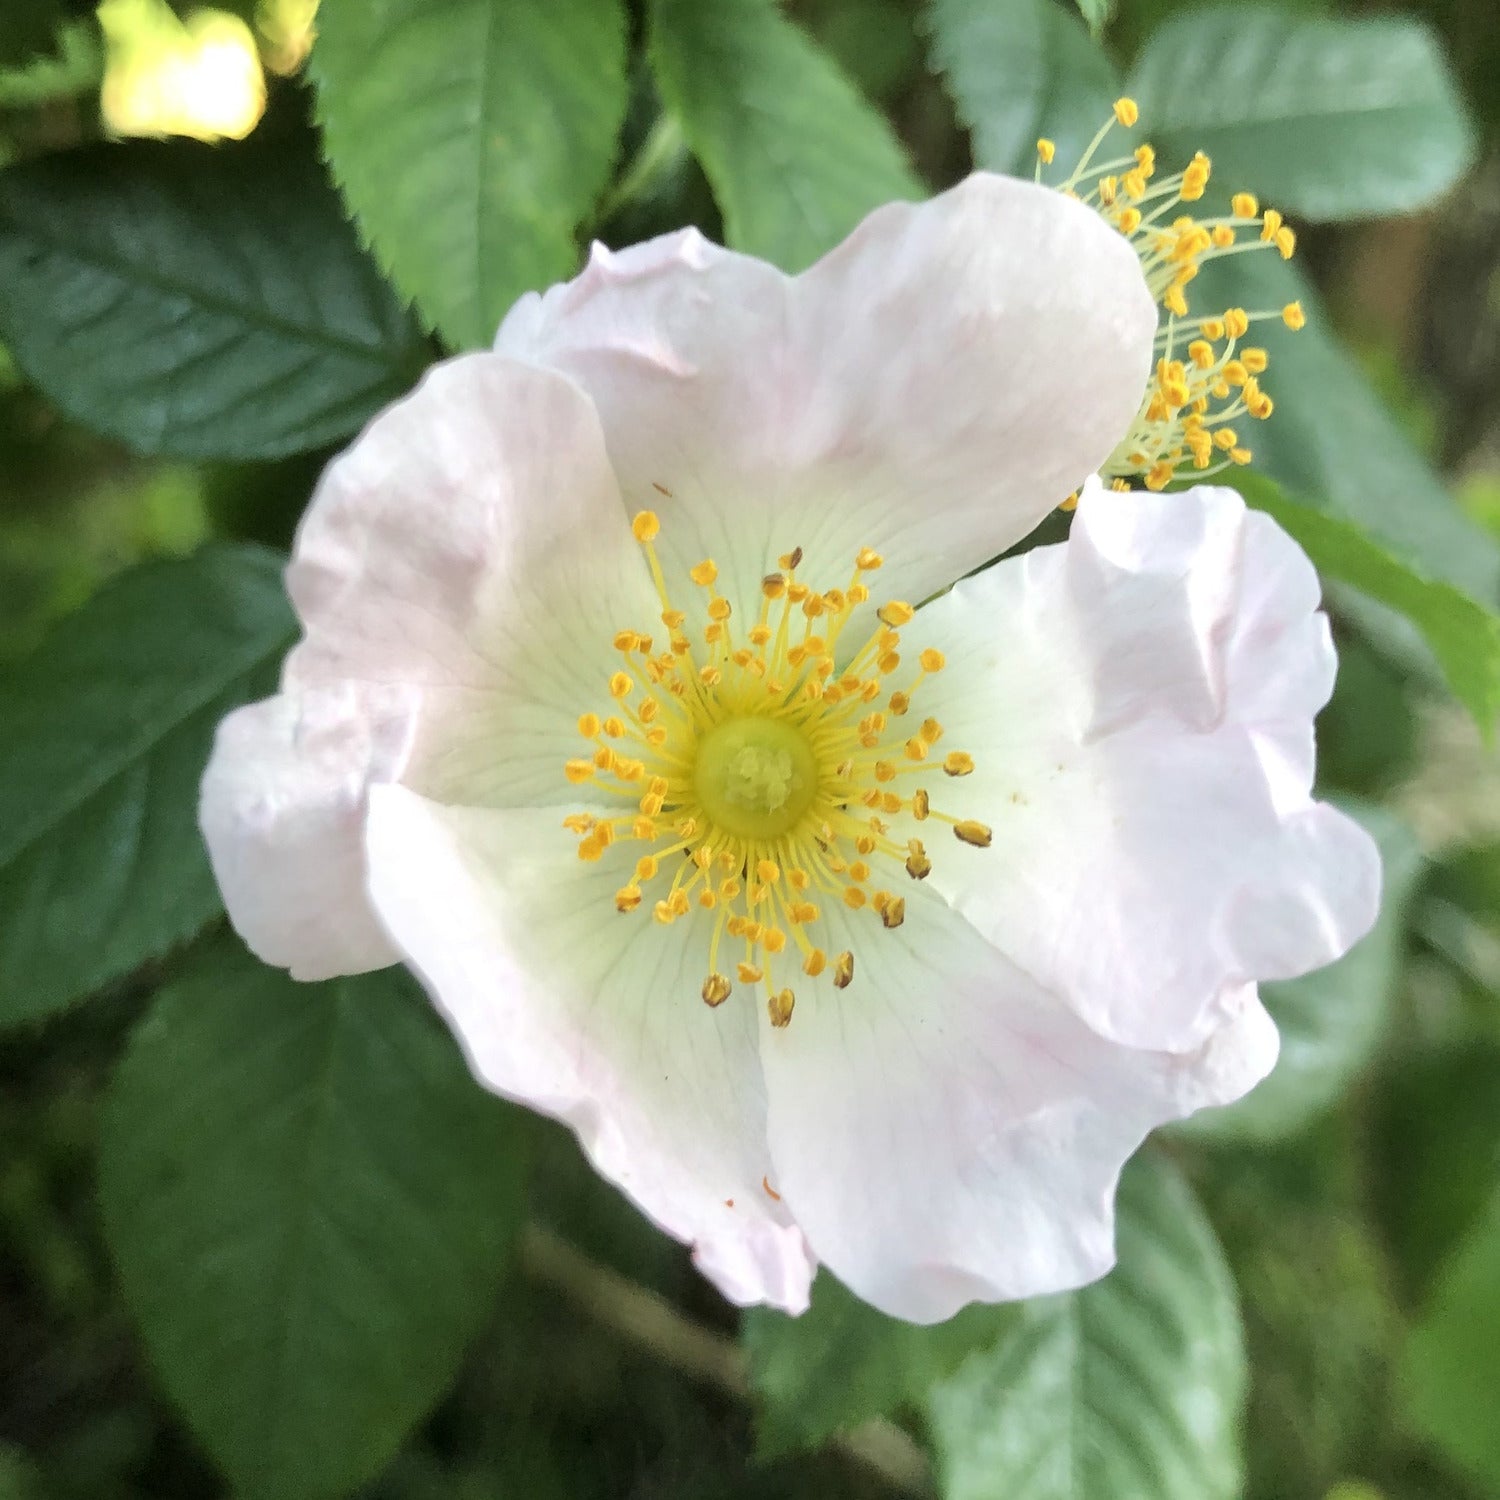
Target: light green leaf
x,y
471,137
795,155
1097,13
107,729
1464,636
1329,117
1128,1390
310,1203
1452,1366
204,302
842,1363
1332,438
1019,71
1331,1021
73,65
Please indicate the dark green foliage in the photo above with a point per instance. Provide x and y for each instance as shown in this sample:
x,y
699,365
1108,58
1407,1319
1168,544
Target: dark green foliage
x,y
197,301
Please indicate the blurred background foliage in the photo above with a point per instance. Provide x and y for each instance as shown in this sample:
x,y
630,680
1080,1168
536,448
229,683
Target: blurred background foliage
x,y
266,1240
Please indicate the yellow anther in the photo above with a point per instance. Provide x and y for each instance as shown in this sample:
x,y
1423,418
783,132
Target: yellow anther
x,y
970,832
815,962
678,903
1127,112
1130,218
626,640
919,804
613,726
1245,205
1286,243
716,989
705,572
627,898
1270,225
896,613
646,867
1212,328
645,526
1241,455
588,725
931,731
1046,150
1236,322
859,871
958,763
854,897
916,748
1225,438
578,770
768,871
748,973
718,609
1293,316
1255,360
1201,352
621,685
774,940
1174,301
1223,236
843,970
779,1007
893,913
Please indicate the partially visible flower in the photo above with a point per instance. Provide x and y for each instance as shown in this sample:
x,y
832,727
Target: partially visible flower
x,y
1206,378
841,927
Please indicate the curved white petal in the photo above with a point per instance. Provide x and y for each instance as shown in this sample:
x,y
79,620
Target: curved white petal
x,y
282,811
931,388
945,1131
1139,702
593,1017
473,543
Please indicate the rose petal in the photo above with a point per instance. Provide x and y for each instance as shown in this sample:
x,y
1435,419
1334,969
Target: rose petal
x,y
593,1017
1139,703
945,1131
473,542
931,388
282,811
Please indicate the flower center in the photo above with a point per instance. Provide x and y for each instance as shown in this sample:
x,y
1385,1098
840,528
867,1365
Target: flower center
x,y
762,772
755,777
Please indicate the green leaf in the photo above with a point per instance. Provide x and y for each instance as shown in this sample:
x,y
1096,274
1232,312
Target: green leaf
x,y
1333,1020
1333,439
1464,636
73,65
310,1204
1019,71
1328,117
471,137
1128,1390
795,155
1097,13
1452,1365
204,302
842,1363
107,729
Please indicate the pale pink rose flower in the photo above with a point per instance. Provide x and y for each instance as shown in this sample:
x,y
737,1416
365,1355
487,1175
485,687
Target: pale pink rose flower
x,y
1117,729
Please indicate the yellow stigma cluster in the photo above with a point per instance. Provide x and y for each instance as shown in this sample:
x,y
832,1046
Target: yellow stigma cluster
x,y
760,769
1206,377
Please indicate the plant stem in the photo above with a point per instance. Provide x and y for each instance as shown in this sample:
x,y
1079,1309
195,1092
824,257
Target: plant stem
x,y
651,1323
